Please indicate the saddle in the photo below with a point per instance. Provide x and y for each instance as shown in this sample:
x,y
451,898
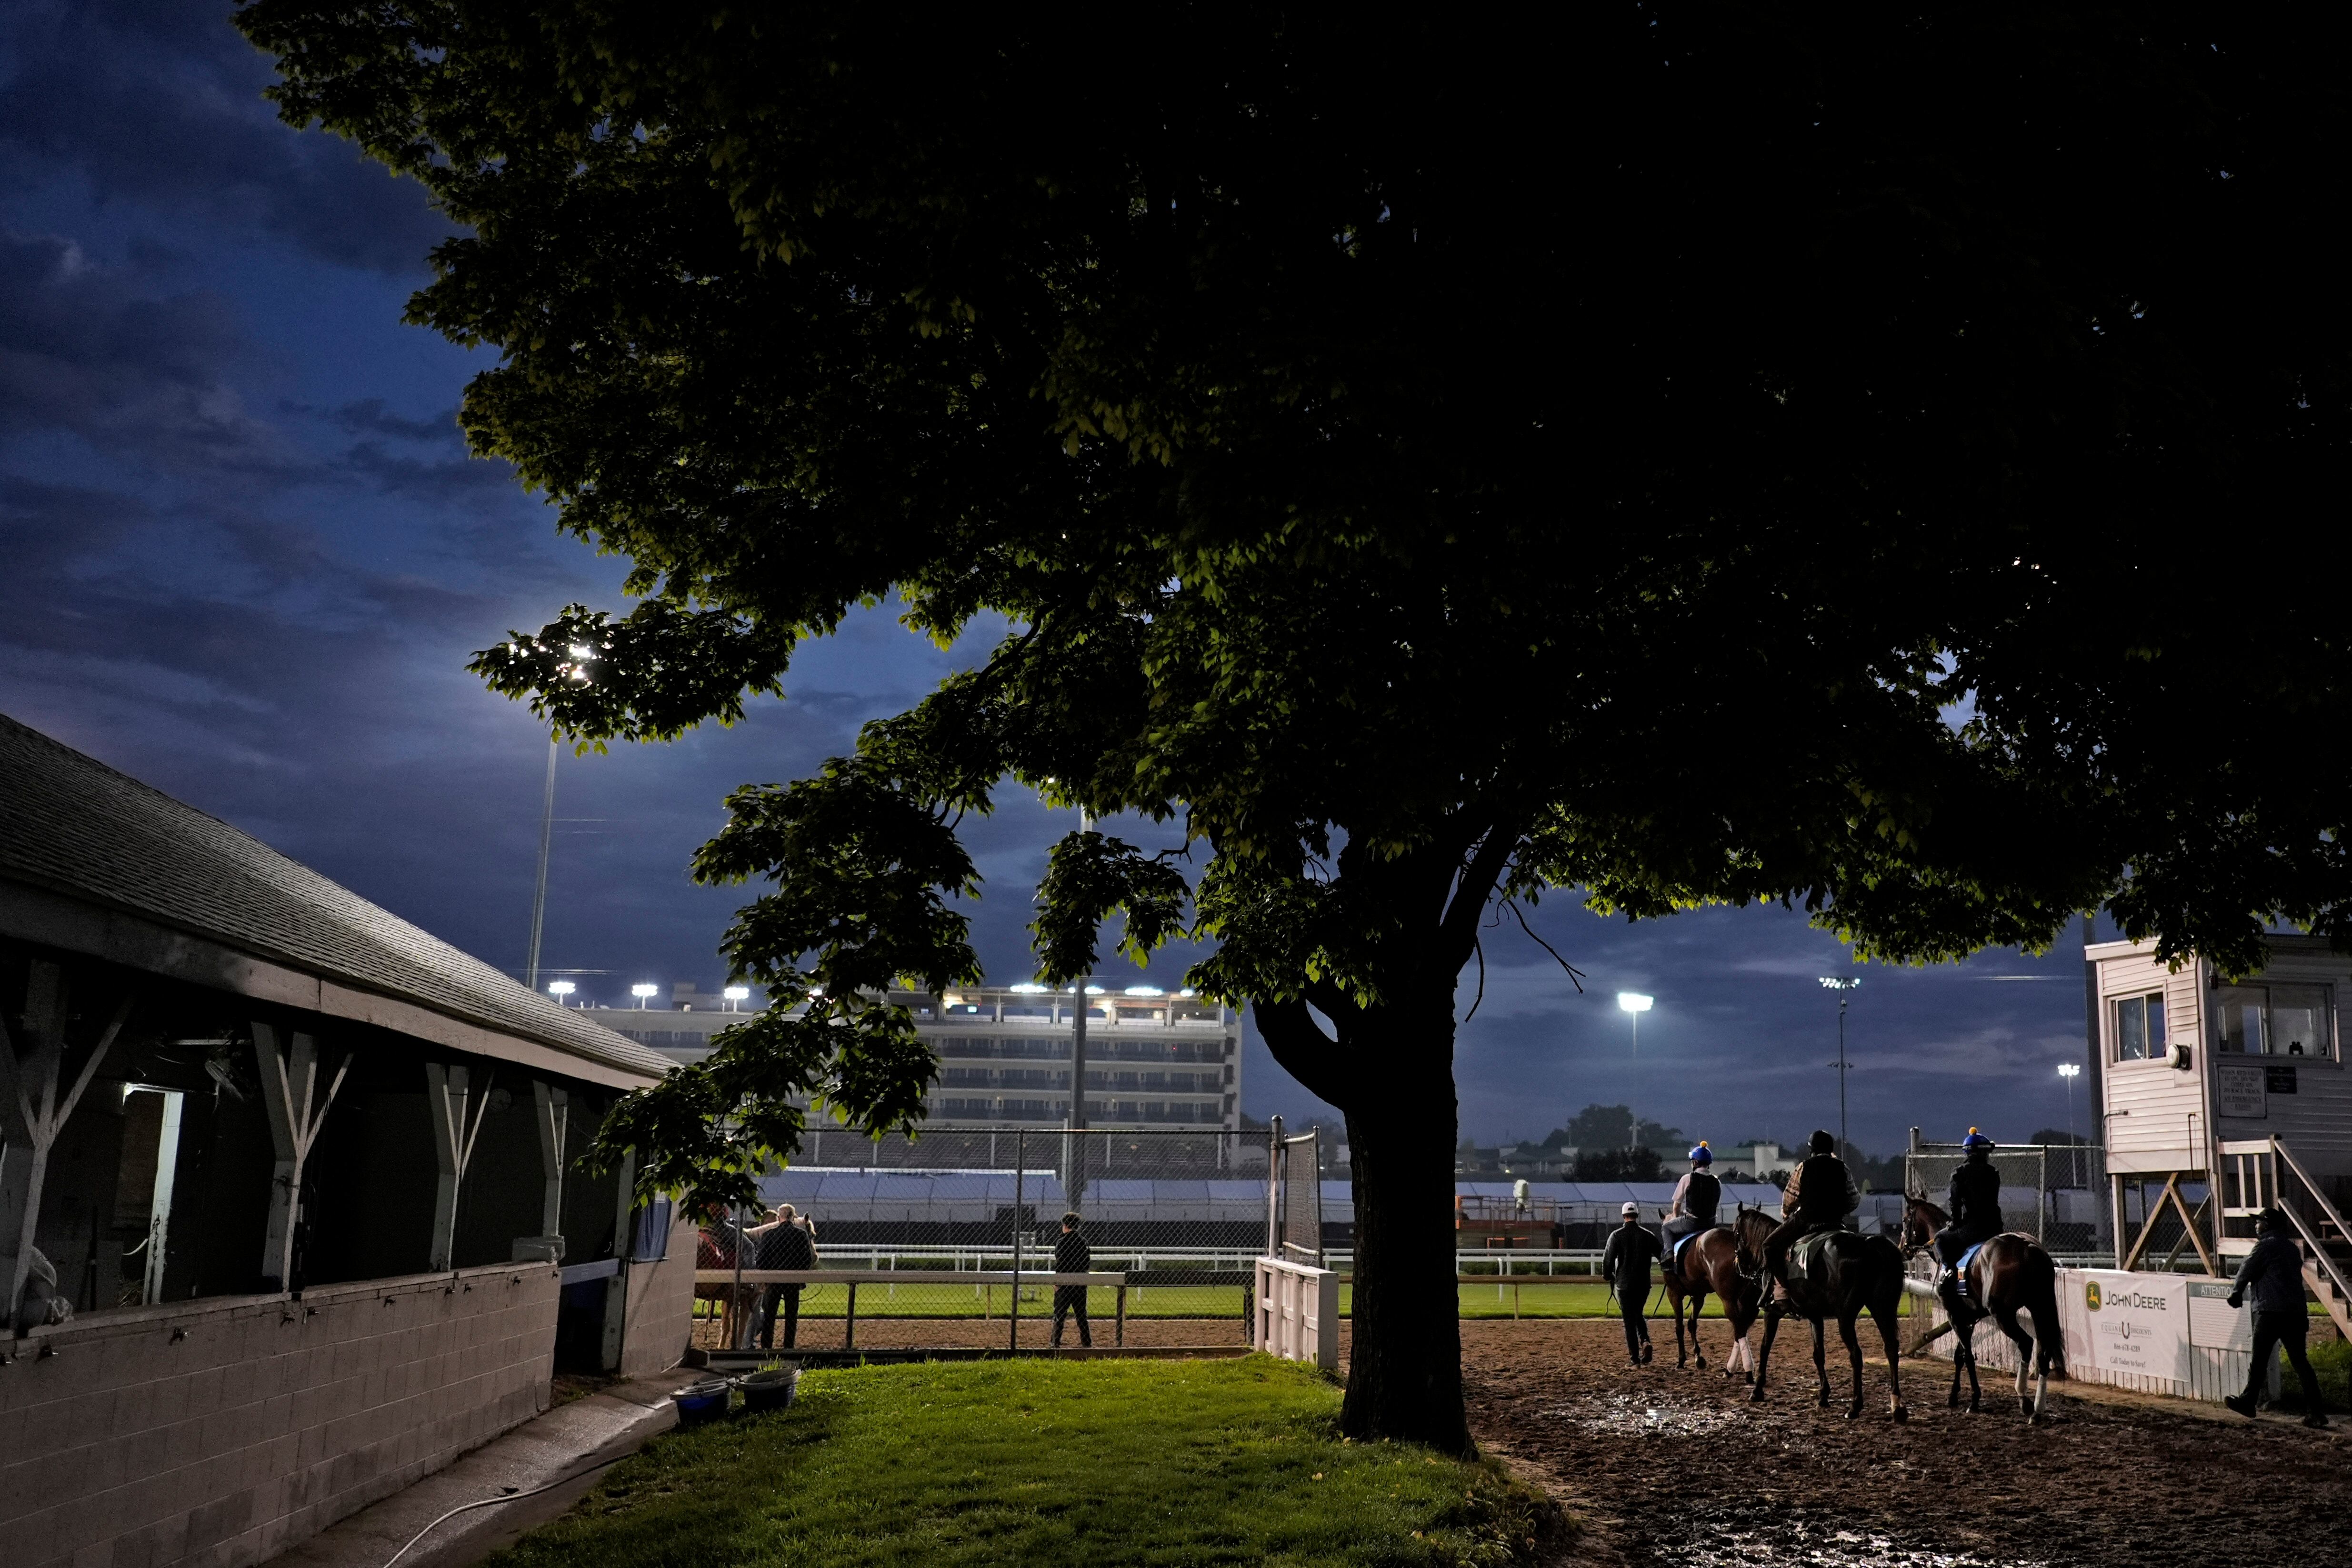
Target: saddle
x,y
1674,1256
1809,1257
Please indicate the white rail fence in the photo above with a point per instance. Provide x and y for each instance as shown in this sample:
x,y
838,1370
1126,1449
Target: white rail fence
x,y
1298,1315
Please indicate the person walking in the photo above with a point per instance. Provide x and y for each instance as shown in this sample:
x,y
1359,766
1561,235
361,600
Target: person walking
x,y
783,1243
1625,1264
1071,1256
2272,1274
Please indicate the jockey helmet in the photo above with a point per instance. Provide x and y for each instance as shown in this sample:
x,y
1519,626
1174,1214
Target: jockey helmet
x,y
1824,1144
1976,1141
1701,1155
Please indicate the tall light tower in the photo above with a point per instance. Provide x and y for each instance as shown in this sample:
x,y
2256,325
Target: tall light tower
x,y
1842,988
2069,1070
1634,1004
643,995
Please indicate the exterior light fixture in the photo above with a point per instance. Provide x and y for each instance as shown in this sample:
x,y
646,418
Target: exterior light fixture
x,y
2069,1070
560,990
1029,989
736,995
643,995
1635,1004
1145,991
1831,983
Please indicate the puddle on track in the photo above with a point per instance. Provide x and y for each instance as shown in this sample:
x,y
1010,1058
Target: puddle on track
x,y
1794,1545
1624,1414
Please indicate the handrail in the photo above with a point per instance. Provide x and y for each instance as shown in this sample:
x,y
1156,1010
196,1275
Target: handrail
x,y
2321,1261
2312,1187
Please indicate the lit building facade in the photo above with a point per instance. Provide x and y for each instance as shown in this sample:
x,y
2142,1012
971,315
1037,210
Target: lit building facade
x,y
1154,1059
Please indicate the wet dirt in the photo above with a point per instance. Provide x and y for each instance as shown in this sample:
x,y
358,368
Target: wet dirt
x,y
1677,1468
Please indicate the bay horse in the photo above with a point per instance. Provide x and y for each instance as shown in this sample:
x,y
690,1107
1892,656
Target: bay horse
x,y
2009,1274
1712,1261
1862,1272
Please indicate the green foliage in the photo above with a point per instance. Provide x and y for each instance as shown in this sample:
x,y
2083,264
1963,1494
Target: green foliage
x,y
1830,457
1152,1463
1620,1164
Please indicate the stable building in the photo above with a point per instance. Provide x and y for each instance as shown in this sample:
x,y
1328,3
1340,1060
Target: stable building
x,y
2221,1095
291,1211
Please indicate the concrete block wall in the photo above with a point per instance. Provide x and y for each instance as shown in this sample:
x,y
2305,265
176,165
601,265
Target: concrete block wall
x,y
660,1319
220,1432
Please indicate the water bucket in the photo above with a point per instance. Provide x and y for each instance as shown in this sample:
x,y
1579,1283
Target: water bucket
x,y
769,1390
700,1402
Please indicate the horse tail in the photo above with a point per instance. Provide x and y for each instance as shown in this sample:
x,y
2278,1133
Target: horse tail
x,y
2043,1306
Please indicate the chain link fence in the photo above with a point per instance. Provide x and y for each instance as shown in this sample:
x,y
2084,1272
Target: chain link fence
x,y
952,1240
2055,1193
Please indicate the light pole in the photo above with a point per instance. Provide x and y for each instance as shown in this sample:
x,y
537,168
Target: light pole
x,y
736,997
643,995
1842,988
559,990
1634,1004
546,839
2069,1070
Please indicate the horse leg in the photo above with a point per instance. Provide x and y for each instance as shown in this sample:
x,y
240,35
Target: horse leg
x,y
1968,1338
1854,1354
1821,1363
2029,1351
1890,1331
1698,1305
1764,1352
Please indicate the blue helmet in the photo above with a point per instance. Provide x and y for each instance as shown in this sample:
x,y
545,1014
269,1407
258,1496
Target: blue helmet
x,y
1702,1155
1976,1140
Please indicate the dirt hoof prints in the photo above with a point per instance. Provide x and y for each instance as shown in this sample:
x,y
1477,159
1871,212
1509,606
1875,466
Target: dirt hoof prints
x,y
1679,1469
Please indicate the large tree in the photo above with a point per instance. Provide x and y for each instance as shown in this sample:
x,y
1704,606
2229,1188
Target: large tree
x,y
1669,452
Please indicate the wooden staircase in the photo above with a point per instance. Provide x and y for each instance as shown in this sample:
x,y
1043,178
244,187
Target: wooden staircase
x,y
2268,1175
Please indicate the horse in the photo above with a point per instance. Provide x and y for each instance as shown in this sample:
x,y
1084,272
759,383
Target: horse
x,y
1712,1261
2009,1274
1864,1271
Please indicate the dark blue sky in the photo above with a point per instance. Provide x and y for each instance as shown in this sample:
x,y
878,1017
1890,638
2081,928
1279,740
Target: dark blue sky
x,y
248,558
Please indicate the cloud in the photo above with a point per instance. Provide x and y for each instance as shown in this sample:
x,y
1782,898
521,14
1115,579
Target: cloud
x,y
85,349
159,104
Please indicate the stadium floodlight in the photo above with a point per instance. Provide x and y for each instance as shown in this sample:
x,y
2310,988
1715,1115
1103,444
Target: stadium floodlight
x,y
1831,983
643,994
2069,1070
1634,1004
1029,989
1145,991
1094,991
560,990
736,996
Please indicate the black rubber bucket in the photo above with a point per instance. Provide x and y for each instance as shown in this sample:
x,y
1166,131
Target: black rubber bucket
x,y
770,1390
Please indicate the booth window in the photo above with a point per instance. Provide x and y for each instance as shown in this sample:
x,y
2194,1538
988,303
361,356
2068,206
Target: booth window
x,y
2139,1028
2274,1021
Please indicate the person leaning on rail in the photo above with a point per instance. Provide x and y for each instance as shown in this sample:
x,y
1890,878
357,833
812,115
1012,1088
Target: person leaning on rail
x,y
2273,1274
1625,1264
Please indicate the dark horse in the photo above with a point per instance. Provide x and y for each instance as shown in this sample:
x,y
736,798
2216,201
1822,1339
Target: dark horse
x,y
1862,1271
1712,1261
2009,1275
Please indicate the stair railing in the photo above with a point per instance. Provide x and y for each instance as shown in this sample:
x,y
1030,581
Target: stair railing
x,y
2263,1165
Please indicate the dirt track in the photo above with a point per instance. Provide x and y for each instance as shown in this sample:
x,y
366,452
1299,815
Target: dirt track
x,y
1711,1478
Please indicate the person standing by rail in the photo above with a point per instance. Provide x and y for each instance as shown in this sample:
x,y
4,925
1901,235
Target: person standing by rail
x,y
1625,1264
2273,1273
786,1243
1071,1256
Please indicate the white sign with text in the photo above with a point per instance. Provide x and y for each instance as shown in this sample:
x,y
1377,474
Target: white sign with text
x,y
2134,1322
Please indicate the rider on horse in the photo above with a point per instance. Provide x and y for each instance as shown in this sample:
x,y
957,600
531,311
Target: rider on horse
x,y
1697,1196
1975,1209
1819,1195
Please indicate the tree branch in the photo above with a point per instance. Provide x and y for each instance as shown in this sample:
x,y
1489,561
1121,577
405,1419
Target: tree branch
x,y
1575,975
1304,1052
1458,930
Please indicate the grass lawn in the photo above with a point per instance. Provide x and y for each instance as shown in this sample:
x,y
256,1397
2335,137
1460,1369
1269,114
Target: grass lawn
x,y
1039,1462
1538,1296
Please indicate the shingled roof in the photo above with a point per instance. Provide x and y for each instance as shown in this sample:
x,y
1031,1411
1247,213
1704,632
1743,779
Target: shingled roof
x,y
74,826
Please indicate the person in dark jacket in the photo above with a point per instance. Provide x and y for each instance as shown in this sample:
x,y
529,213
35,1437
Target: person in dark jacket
x,y
2273,1275
1975,1209
784,1244
1625,1264
1819,1195
1071,1256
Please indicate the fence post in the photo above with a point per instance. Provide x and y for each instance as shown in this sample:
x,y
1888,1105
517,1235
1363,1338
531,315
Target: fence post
x,y
1020,1171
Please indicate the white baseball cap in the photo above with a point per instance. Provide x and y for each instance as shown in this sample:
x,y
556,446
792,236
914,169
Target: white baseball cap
x,y
1631,1208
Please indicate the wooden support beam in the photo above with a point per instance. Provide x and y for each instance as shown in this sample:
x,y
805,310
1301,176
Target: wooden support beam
x,y
289,1092
32,1112
447,1094
553,1109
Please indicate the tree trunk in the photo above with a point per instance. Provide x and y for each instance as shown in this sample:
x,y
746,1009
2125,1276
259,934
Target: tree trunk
x,y
1404,1357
